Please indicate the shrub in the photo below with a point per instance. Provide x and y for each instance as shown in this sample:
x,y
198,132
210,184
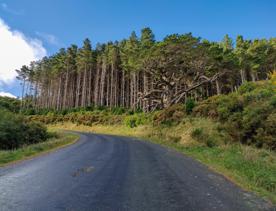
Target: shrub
x,y
266,135
36,132
197,133
10,104
246,116
273,101
135,120
16,131
189,105
247,87
169,116
210,140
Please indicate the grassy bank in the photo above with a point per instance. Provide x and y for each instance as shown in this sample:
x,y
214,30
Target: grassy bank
x,y
251,168
62,139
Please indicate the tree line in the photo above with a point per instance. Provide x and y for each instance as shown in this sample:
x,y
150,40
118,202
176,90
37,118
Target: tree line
x,y
142,73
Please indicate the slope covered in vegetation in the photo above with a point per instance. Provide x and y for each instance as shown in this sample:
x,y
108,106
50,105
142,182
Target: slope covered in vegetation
x,y
246,116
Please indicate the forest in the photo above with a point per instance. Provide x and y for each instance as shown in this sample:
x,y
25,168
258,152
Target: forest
x,y
141,73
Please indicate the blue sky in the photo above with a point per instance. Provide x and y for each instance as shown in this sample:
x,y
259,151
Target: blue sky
x,y
58,23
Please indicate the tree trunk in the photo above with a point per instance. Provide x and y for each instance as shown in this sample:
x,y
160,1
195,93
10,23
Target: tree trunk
x,y
83,101
243,75
218,87
89,97
102,84
65,100
78,90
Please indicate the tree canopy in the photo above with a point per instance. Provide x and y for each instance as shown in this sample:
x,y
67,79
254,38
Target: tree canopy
x,y
142,73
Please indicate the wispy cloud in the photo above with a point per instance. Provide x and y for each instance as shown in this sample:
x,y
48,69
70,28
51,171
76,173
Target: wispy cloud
x,y
6,8
49,38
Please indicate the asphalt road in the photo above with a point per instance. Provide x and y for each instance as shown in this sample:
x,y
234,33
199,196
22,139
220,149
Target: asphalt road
x,y
103,172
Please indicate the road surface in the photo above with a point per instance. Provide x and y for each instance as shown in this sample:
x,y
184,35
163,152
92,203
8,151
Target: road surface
x,y
102,172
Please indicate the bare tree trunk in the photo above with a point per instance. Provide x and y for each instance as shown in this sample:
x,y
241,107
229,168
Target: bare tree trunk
x,y
102,84
122,102
59,94
65,100
78,90
83,101
253,76
96,85
22,96
89,97
243,75
218,87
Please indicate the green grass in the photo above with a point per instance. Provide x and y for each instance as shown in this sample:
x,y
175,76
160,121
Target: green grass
x,y
10,156
250,168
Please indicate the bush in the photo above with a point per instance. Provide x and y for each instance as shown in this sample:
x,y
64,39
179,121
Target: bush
x,y
197,133
169,116
135,120
36,132
10,104
189,105
16,131
210,140
247,116
247,87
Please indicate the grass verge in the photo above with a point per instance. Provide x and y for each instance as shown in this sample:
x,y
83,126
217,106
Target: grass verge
x,y
250,168
62,140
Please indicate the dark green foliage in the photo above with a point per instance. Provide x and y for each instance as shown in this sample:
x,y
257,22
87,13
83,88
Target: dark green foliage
x,y
248,116
197,133
273,101
118,110
16,131
189,105
247,87
210,140
10,104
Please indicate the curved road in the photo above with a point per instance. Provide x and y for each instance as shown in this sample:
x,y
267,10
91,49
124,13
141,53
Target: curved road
x,y
102,172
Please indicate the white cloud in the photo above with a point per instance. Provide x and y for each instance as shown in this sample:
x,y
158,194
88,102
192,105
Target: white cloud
x,y
7,94
50,38
16,50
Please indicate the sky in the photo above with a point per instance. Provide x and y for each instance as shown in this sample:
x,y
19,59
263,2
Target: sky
x,y
31,29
